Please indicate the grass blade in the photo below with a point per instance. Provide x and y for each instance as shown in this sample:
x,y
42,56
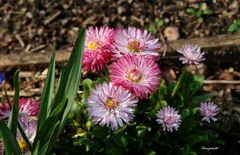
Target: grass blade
x,y
13,118
71,76
46,98
10,143
44,133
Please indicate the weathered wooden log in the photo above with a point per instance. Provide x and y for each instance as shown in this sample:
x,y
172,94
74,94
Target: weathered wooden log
x,y
63,55
208,42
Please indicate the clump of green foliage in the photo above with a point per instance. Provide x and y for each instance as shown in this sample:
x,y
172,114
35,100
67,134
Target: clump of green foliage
x,y
200,12
235,26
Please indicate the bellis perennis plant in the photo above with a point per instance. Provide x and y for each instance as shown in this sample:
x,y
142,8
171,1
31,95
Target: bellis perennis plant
x,y
125,107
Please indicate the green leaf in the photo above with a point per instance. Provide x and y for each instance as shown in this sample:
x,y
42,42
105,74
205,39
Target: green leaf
x,y
193,139
87,85
200,6
59,109
100,132
196,84
141,131
44,133
208,12
10,143
36,149
52,138
186,150
13,118
186,126
111,148
177,85
120,140
150,152
233,27
199,13
200,19
46,98
19,126
185,113
196,100
152,29
190,10
237,22
71,76
238,31
119,130
101,80
64,98
159,22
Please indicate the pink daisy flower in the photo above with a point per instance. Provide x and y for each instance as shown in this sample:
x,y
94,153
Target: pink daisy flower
x,y
111,105
138,74
191,54
169,118
97,49
27,107
209,110
28,111
135,41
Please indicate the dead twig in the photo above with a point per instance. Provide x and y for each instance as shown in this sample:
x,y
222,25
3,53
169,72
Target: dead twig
x,y
37,48
51,18
236,82
21,42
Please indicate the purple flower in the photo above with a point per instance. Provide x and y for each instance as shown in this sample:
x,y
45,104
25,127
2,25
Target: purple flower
x,y
209,110
2,78
191,54
169,118
111,105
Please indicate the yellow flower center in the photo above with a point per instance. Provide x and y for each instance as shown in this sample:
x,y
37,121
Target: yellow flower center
x,y
134,46
111,103
23,145
94,45
135,75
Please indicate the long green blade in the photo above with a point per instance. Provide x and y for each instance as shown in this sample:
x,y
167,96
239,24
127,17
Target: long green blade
x,y
19,126
71,76
44,133
13,118
45,105
52,138
10,143
36,149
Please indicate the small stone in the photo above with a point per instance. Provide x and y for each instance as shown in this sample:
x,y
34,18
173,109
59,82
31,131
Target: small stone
x,y
29,15
42,13
120,10
40,31
171,33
